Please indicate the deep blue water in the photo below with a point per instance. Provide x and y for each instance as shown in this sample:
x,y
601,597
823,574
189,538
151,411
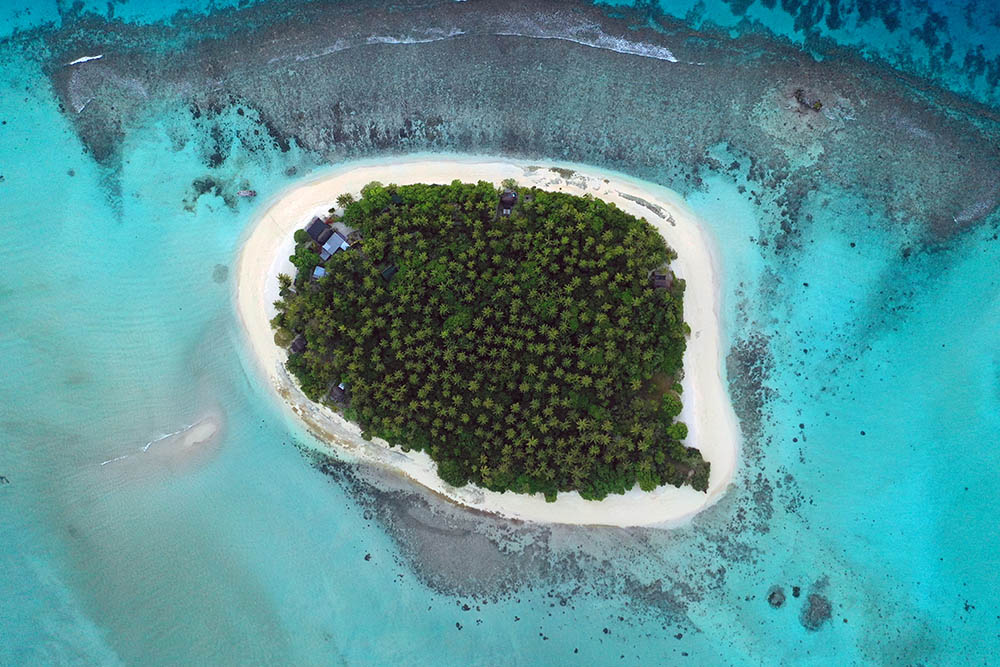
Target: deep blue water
x,y
864,362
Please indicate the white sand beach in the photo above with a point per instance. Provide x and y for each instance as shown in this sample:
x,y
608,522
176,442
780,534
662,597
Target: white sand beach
x,y
712,424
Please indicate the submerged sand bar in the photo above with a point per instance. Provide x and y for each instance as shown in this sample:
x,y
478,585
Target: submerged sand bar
x,y
708,412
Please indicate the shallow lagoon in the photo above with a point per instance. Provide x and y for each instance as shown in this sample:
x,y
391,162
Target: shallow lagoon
x,y
256,552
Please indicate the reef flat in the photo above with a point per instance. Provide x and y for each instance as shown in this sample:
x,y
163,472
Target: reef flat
x,y
543,79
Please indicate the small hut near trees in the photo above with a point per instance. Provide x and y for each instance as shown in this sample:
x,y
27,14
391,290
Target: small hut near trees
x,y
338,394
298,345
662,278
318,231
507,201
389,271
334,243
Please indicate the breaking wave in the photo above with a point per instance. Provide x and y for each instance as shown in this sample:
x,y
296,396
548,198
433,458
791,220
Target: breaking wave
x,y
558,27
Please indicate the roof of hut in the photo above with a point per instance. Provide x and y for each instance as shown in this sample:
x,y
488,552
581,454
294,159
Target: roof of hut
x,y
662,278
316,228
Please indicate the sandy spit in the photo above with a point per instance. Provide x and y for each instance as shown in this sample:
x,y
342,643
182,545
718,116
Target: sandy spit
x,y
712,424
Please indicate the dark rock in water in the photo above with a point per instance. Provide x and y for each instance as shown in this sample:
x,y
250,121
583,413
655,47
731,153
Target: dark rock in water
x,y
203,185
796,591
816,612
368,556
291,171
71,172
776,597
220,273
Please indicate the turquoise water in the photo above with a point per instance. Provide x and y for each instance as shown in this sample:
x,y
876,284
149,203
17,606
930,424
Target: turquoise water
x,y
954,42
119,328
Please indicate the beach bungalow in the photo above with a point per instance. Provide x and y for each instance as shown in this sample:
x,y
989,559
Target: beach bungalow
x,y
298,345
389,271
338,393
662,278
318,231
335,243
318,272
507,201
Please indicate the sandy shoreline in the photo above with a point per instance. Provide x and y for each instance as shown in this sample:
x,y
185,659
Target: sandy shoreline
x,y
712,424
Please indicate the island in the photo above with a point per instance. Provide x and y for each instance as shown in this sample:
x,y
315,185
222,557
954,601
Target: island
x,y
517,344
529,341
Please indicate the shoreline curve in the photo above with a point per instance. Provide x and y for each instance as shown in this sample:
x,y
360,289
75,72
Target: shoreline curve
x,y
707,409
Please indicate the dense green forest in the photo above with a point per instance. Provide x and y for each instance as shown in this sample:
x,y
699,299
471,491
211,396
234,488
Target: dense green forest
x,y
527,352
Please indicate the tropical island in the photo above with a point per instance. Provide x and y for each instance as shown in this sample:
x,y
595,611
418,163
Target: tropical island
x,y
527,340
358,255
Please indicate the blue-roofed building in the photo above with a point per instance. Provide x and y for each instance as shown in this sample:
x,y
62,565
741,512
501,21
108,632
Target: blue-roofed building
x,y
318,272
334,244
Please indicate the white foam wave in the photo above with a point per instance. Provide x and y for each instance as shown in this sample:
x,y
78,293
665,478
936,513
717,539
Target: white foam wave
x,y
423,37
164,437
428,35
85,59
607,43
570,28
149,444
558,27
339,45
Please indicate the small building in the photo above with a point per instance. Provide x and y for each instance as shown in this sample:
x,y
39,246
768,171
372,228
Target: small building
x,y
298,345
318,231
662,278
334,244
318,272
389,271
338,393
507,201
